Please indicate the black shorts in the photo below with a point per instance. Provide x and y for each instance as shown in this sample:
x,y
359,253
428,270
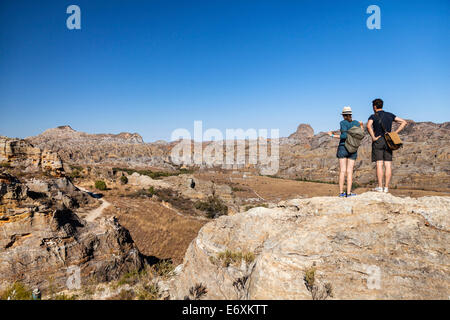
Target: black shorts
x,y
381,151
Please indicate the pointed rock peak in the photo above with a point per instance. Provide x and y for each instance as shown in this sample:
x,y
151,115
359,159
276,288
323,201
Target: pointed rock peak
x,y
303,131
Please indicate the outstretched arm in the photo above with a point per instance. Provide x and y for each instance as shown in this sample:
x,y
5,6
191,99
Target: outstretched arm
x,y
333,135
402,122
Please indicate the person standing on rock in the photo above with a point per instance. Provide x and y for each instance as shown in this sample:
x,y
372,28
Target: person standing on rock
x,y
380,123
346,159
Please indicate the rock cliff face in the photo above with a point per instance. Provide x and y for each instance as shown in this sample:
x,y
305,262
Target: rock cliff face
x,y
374,246
43,242
21,154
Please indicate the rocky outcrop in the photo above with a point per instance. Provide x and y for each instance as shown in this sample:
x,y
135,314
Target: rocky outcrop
x,y
113,149
304,131
20,154
43,243
373,246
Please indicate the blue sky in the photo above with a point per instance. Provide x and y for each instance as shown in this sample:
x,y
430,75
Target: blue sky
x,y
154,66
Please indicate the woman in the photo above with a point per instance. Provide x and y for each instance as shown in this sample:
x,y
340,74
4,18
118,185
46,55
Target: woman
x,y
346,159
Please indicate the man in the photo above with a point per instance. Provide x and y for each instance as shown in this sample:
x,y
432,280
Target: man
x,y
381,153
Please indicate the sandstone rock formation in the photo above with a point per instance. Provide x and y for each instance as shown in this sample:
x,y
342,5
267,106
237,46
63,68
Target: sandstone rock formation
x,y
21,154
42,240
374,246
304,131
113,149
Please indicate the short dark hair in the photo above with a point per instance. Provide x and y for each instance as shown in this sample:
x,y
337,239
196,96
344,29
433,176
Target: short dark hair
x,y
378,103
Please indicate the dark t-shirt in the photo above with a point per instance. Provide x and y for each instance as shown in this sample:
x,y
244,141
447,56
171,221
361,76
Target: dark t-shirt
x,y
387,118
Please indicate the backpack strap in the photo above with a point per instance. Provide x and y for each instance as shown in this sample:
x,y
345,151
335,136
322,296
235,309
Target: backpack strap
x,y
380,122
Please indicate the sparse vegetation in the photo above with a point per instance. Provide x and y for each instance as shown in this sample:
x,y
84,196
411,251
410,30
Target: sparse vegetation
x,y
164,268
5,165
315,181
100,185
17,291
75,174
148,292
317,291
303,179
196,292
213,207
153,174
63,296
123,180
74,167
228,257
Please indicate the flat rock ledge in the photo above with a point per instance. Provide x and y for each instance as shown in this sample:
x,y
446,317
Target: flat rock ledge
x,y
373,246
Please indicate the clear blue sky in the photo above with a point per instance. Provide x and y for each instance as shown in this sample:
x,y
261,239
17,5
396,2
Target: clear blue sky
x,y
154,66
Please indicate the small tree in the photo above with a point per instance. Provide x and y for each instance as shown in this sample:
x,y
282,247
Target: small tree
x,y
100,185
123,180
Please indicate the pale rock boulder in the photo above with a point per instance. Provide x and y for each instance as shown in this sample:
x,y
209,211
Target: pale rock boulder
x,y
373,246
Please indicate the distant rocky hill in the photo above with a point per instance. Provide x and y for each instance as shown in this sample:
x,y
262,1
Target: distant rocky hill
x,y
374,246
112,149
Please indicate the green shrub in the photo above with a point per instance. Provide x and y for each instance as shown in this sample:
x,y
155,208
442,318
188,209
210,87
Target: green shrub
x,y
5,165
100,185
123,180
148,292
213,207
153,174
164,268
63,296
75,174
17,291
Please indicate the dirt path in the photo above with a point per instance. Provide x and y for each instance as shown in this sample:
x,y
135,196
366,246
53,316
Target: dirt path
x,y
97,212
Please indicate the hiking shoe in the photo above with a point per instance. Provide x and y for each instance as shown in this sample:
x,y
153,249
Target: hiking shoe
x,y
386,190
378,189
342,195
351,194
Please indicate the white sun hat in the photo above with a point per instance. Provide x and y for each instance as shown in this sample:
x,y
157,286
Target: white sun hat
x,y
347,110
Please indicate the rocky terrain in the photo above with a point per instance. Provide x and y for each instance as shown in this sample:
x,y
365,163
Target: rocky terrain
x,y
233,231
423,162
113,149
42,239
374,246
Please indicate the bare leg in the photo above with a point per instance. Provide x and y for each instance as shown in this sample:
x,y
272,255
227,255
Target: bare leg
x,y
388,166
380,173
343,168
350,165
